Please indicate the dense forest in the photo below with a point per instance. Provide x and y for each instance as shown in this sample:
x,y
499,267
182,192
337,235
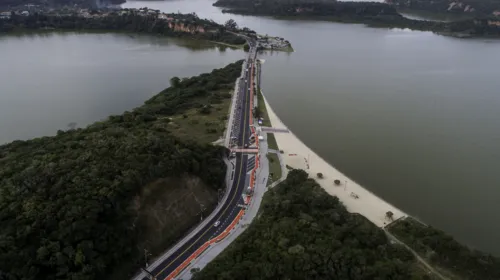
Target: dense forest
x,y
445,252
304,233
131,21
370,13
66,200
474,7
312,8
60,3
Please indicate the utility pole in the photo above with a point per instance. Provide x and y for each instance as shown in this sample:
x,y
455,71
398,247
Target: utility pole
x,y
146,255
202,208
151,276
220,194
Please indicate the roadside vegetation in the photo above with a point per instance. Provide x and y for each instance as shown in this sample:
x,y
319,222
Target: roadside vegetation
x,y
182,25
304,233
274,168
274,161
206,120
262,112
84,204
447,255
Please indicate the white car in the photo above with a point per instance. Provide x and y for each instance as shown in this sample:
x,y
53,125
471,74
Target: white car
x,y
216,223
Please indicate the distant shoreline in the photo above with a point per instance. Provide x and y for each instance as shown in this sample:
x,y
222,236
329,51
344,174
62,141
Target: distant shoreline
x,y
131,21
371,14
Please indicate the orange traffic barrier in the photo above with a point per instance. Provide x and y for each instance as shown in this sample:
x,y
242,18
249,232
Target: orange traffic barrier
x,y
226,232
205,246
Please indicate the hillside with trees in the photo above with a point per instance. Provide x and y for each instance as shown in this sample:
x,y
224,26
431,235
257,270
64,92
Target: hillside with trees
x,y
135,21
473,7
60,3
304,233
445,252
84,204
370,13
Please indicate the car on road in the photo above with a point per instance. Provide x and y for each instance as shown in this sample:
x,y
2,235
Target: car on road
x,y
216,223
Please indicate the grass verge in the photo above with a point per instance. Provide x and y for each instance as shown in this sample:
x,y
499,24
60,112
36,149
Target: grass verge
x,y
271,140
203,128
274,168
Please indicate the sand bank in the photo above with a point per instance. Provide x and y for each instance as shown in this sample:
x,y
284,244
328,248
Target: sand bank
x,y
356,199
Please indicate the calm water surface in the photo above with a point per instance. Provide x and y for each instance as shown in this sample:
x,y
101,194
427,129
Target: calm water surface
x,y
48,81
412,116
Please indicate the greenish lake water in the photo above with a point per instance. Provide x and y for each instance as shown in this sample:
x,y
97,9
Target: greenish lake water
x,y
49,80
412,116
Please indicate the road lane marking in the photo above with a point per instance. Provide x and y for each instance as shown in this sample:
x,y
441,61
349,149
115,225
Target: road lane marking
x,y
209,242
232,199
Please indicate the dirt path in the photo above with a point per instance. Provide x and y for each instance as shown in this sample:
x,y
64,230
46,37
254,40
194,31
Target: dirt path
x,y
420,259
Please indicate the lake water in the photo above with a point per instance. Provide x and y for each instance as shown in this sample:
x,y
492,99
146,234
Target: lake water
x,y
412,116
50,80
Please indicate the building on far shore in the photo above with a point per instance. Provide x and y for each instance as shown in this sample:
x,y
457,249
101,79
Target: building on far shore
x,y
5,15
272,42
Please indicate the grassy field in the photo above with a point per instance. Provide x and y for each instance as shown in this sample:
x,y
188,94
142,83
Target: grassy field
x,y
204,128
272,144
274,168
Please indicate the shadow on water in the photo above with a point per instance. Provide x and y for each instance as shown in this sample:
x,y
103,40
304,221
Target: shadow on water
x,y
190,44
52,79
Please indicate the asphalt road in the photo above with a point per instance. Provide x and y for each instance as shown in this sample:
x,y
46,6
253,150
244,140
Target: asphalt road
x,y
230,209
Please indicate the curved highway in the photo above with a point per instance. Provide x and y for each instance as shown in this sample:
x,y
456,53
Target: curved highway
x,y
230,207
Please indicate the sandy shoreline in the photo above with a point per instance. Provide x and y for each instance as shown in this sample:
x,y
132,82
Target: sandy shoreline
x,y
297,154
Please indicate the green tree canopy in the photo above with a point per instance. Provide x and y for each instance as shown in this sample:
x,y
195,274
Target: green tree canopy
x,y
65,200
174,82
304,233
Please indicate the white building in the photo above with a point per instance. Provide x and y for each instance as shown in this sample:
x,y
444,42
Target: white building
x,y
5,15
